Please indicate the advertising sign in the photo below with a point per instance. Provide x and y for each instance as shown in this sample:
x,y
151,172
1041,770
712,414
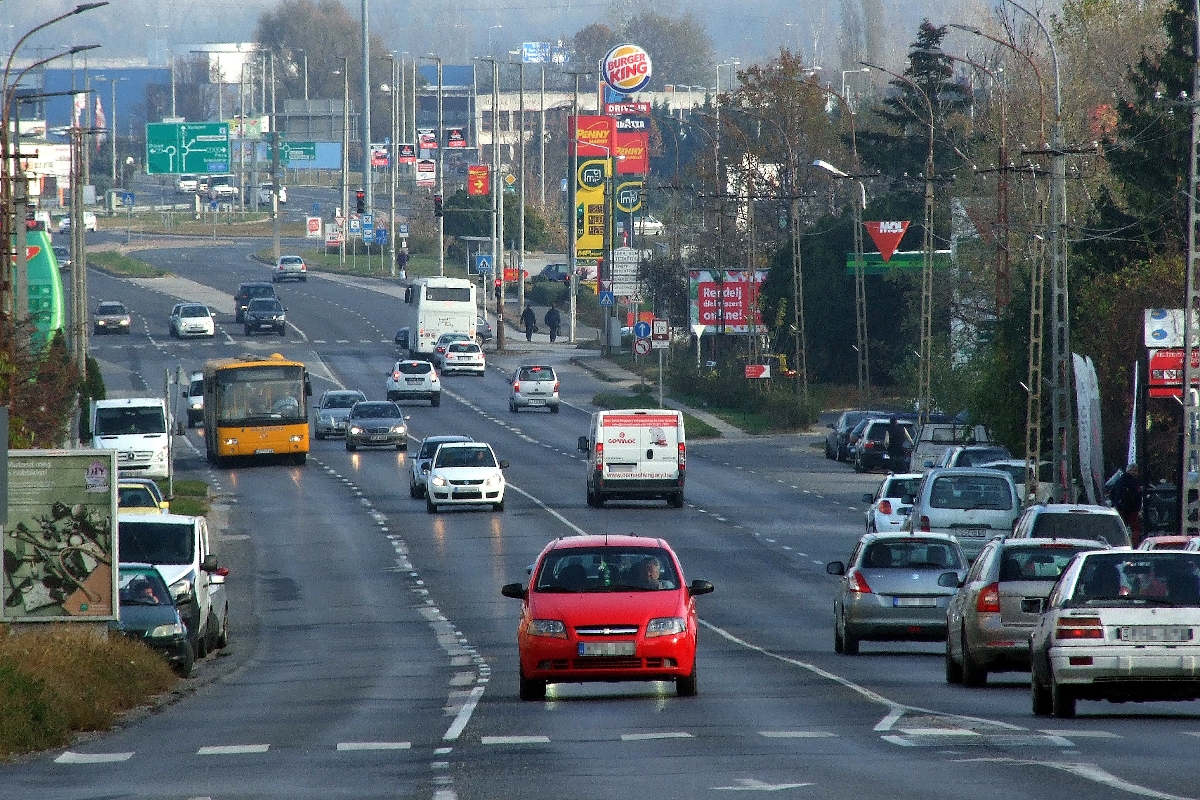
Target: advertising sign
x,y
591,135
628,196
427,139
632,146
1166,371
478,184
886,236
334,235
626,69
426,172
379,155
60,543
407,153
589,209
456,137
1164,328
726,300
313,228
621,109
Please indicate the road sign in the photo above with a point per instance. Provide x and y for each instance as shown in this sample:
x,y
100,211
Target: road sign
x,y
333,235
483,262
661,334
126,198
313,228
642,329
297,151
607,299
402,229
641,347
381,236
355,226
175,148
758,370
368,226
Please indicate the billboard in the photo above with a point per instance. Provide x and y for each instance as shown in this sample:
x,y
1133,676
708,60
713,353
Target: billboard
x,y
726,300
590,135
589,208
60,543
632,145
456,137
626,69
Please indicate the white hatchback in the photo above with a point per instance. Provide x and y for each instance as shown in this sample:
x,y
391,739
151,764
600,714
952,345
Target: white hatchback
x,y
892,502
412,379
192,319
465,473
463,357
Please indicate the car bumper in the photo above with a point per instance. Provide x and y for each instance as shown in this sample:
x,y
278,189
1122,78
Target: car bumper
x,y
535,401
411,394
996,646
1129,673
186,332
290,276
647,488
479,368
464,495
271,325
879,619
376,439
331,429
558,660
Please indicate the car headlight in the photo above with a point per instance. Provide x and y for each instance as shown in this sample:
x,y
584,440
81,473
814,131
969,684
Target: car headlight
x,y
399,429
165,631
552,628
438,480
356,430
197,404
665,626
183,590
494,480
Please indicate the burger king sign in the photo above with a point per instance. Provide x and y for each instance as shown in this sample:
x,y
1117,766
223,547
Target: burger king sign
x,y
627,68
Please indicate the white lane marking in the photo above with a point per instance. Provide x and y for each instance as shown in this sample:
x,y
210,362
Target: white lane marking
x,y
938,732
515,740
232,749
374,745
91,758
643,737
1090,772
797,734
755,785
1082,734
464,715
548,510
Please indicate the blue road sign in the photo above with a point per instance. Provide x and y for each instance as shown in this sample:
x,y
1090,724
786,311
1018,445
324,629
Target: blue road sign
x,y
368,226
483,262
402,229
381,236
642,329
126,198
608,299
316,210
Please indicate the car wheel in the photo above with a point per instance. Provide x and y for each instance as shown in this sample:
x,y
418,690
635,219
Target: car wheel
x,y
1040,697
858,465
1062,702
829,451
849,641
430,508
954,672
675,500
838,644
246,330
973,675
300,459
532,689
512,407
412,491
223,634
686,687
436,400
498,506
351,446
183,667
200,646
554,409
599,499
282,331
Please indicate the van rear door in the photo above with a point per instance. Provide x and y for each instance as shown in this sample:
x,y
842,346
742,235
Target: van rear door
x,y
641,445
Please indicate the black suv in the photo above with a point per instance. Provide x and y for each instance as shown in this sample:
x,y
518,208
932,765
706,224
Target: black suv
x,y
265,313
247,292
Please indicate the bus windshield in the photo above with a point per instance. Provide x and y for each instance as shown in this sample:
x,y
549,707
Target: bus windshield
x,y
261,395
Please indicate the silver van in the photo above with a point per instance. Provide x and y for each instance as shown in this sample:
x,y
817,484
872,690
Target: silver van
x,y
972,505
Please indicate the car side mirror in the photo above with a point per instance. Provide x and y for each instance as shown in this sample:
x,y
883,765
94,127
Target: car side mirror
x,y
503,465
425,467
835,568
209,564
583,445
949,580
868,498
514,590
699,587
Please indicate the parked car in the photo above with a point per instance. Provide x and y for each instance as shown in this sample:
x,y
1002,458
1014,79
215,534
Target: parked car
x,y
419,464
152,488
111,317
465,473
483,330
147,613
871,451
290,268
464,357
443,343
193,399
412,379
895,587
1072,521
63,256
192,319
553,272
990,618
376,423
246,292
974,455
971,504
1119,626
1015,467
264,314
607,608
892,502
332,410
179,547
937,435
534,386
836,441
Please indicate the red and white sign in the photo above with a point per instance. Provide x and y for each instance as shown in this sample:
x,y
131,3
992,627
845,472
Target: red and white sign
x,y
729,304
333,235
641,347
640,420
313,227
591,135
426,172
427,140
456,137
758,370
626,68
478,184
407,153
379,155
620,109
886,236
1166,372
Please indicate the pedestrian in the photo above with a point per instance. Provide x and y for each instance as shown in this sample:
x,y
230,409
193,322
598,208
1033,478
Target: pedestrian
x,y
529,320
553,321
897,441
402,263
1126,497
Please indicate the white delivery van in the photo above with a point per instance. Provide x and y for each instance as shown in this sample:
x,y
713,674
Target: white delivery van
x,y
138,428
635,454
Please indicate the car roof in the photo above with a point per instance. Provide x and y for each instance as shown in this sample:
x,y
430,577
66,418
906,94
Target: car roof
x,y
593,540
339,392
443,438
980,472
1070,508
158,519
1053,542
254,284
891,536
470,442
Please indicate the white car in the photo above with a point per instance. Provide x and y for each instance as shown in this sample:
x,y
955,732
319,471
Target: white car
x,y
892,502
463,357
412,379
290,268
1016,468
465,473
89,222
265,191
443,342
192,319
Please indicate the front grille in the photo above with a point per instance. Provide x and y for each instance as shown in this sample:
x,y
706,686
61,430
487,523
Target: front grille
x,y
607,662
623,629
471,482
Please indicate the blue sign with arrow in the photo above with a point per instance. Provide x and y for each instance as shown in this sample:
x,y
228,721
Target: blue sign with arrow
x,y
642,329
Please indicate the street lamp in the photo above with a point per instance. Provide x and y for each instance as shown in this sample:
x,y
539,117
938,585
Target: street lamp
x,y
491,28
305,54
345,70
112,113
441,226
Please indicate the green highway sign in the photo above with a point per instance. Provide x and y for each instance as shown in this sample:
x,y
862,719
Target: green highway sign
x,y
174,148
297,151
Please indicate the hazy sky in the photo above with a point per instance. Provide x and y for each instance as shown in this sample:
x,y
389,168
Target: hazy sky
x,y
741,29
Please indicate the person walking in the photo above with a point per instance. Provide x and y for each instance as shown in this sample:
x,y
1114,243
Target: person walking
x,y
1126,497
553,321
897,442
529,321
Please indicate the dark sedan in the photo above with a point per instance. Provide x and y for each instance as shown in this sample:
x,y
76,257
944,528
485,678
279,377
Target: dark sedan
x,y
265,314
148,614
376,423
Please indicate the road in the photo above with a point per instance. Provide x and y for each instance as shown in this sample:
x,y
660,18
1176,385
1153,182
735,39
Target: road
x,y
372,655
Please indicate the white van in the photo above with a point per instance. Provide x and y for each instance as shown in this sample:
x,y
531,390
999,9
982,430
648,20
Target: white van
x,y
635,454
138,428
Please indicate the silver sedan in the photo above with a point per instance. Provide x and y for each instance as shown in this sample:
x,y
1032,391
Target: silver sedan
x,y
332,411
376,423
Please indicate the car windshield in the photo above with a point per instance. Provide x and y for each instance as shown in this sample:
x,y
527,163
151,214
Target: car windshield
x,y
193,311
196,388
414,367
142,588
259,291
375,411
909,553
1037,563
263,304
465,457
879,430
973,458
156,542
290,260
966,492
464,348
606,569
1138,577
447,338
135,497
536,374
110,308
341,400
902,488
1108,527
118,421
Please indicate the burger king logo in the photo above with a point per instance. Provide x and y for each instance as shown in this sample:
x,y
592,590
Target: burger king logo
x,y
627,68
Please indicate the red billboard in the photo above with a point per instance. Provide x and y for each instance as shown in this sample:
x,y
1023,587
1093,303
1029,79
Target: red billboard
x,y
477,180
727,300
456,137
407,153
1166,371
633,152
590,135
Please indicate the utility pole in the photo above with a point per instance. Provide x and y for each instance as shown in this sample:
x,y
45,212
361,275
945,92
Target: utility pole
x,y
345,158
365,134
1189,476
275,215
393,157
521,199
572,198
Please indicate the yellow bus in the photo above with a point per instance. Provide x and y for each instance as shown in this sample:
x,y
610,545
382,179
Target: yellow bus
x,y
256,406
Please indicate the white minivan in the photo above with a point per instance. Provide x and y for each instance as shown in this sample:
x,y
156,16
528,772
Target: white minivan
x,y
138,428
635,454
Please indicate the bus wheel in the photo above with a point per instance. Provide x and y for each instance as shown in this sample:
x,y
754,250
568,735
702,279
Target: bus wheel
x,y
300,459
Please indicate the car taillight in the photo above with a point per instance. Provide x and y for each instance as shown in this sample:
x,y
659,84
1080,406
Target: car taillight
x,y
924,524
857,583
395,376
1079,628
516,386
885,507
682,455
870,444
599,455
988,600
556,387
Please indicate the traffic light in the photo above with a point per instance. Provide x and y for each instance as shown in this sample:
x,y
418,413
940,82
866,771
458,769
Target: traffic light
x,y
497,288
437,205
360,201
579,228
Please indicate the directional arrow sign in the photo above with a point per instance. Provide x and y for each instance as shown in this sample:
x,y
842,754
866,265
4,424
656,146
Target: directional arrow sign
x,y
175,148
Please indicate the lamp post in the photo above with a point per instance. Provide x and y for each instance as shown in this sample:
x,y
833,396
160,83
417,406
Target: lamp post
x,y
924,368
441,227
846,72
497,187
305,54
112,115
345,157
365,133
397,104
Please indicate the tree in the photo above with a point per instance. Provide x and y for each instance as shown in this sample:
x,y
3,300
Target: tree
x,y
38,383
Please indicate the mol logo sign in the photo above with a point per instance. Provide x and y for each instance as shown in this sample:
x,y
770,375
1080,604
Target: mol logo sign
x,y
626,68
629,197
591,175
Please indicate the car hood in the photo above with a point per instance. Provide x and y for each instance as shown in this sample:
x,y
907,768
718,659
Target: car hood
x,y
145,618
467,473
607,608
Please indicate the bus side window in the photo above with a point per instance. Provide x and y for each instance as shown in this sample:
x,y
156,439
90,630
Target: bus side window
x,y
408,294
307,385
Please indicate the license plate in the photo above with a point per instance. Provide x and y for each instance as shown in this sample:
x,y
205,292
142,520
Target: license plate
x,y
379,437
1154,633
606,648
414,380
920,602
973,533
264,451
537,402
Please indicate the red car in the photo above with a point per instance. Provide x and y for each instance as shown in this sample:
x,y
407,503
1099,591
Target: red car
x,y
607,608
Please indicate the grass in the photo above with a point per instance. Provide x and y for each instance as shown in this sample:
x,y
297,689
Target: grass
x,y
191,498
356,263
696,428
126,266
184,222
60,679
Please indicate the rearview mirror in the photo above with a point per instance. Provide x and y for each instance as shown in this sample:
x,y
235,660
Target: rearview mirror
x,y
583,444
503,465
699,587
514,590
835,568
868,498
